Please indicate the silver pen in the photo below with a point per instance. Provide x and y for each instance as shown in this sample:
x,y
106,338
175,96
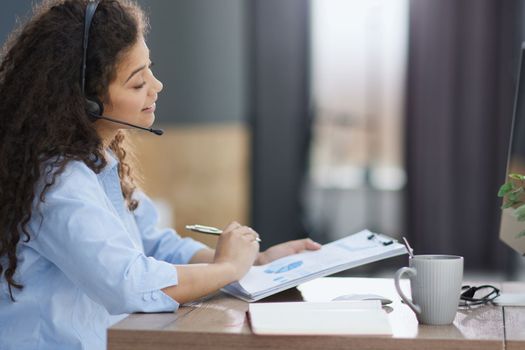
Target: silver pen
x,y
208,230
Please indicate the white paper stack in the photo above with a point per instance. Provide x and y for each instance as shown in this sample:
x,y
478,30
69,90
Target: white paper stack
x,y
354,250
320,318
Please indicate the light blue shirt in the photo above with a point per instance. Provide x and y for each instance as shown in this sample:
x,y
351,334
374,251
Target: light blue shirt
x,y
89,261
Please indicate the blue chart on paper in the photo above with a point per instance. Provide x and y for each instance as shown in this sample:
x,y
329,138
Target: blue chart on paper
x,y
278,268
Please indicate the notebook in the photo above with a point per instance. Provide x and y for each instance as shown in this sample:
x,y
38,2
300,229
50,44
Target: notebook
x,y
354,250
319,318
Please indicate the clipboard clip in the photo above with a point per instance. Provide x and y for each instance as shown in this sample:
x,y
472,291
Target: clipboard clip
x,y
377,238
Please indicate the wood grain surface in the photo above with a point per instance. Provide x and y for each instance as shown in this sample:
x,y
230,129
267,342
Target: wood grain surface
x,y
514,319
221,322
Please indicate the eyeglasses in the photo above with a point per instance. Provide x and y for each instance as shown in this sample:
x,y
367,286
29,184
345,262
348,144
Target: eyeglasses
x,y
478,295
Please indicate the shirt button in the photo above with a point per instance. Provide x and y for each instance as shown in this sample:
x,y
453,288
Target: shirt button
x,y
146,297
154,296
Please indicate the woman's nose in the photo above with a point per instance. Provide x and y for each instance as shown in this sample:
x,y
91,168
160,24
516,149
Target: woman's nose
x,y
158,85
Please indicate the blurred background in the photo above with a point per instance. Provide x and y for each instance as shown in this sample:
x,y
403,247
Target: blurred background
x,y
320,118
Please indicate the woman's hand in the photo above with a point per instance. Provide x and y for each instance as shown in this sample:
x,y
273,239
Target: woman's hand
x,y
237,248
285,249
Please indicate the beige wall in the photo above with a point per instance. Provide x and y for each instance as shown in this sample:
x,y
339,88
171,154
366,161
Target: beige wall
x,y
201,171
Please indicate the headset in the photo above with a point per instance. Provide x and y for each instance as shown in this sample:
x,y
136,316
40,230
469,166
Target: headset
x,y
94,107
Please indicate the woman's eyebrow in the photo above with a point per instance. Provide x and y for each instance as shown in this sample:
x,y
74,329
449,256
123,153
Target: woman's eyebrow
x,y
135,72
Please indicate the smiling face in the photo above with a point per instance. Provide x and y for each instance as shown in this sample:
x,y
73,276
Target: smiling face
x,y
132,94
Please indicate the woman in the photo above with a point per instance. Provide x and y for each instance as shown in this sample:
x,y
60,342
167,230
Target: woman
x,y
78,246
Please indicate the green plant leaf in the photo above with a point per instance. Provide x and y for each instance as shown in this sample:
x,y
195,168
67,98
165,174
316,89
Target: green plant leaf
x,y
520,213
515,194
504,189
517,177
521,234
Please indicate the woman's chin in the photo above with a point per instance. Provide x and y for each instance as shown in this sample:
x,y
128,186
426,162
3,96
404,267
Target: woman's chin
x,y
147,121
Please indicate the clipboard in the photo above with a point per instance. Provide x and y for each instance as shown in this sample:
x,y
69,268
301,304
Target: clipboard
x,y
351,251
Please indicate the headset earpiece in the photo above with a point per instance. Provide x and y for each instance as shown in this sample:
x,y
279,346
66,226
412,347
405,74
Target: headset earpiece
x,y
94,107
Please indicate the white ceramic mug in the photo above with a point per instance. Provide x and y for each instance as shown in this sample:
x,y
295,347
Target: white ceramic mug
x,y
435,282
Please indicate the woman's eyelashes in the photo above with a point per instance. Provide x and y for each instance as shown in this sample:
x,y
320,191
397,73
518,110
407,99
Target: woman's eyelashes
x,y
138,87
141,85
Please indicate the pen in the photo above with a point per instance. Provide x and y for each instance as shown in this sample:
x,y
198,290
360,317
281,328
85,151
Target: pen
x,y
209,230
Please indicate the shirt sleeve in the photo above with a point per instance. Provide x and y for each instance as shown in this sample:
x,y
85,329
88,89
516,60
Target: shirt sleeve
x,y
162,244
76,229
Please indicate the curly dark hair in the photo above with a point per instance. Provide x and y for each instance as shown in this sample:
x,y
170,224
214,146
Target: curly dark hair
x,y
42,109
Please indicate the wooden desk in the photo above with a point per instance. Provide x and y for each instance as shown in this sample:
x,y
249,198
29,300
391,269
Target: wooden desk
x,y
220,323
514,319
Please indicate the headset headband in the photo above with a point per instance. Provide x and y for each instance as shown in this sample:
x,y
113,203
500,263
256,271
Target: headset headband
x,y
90,12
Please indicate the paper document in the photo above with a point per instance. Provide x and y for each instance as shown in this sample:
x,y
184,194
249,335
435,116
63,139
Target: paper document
x,y
510,299
354,250
325,318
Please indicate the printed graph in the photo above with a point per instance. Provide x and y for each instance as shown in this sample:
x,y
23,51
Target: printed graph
x,y
280,268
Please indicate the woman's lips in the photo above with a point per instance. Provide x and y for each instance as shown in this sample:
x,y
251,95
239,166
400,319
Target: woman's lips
x,y
150,109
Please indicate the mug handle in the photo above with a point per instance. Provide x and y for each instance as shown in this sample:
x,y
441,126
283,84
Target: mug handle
x,y
399,273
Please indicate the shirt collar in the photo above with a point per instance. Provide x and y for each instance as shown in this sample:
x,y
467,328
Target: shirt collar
x,y
111,163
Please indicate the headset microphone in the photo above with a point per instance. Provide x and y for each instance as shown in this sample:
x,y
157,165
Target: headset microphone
x,y
94,107
155,131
